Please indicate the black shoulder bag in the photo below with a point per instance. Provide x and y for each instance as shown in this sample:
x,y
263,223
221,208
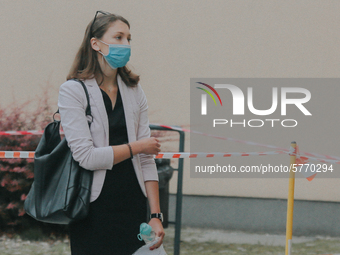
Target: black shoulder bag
x,y
61,189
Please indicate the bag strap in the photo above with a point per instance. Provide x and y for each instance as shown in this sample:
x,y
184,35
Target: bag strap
x,y
88,108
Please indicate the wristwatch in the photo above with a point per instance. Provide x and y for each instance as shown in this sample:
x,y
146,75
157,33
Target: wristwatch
x,y
157,215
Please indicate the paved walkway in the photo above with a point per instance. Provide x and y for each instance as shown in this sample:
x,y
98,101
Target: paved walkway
x,y
210,241
196,241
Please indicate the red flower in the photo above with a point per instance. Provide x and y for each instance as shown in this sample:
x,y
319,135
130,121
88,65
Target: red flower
x,y
23,197
11,206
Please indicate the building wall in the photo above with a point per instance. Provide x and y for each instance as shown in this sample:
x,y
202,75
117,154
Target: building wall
x,y
258,215
173,41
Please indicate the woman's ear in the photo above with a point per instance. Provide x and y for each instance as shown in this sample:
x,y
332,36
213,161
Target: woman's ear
x,y
94,44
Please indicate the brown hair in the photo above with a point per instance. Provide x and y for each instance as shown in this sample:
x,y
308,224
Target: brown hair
x,y
85,64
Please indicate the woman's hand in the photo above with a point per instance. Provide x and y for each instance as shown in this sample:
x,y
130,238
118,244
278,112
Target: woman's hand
x,y
157,227
149,146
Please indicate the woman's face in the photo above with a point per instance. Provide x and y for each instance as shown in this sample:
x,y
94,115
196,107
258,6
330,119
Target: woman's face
x,y
117,33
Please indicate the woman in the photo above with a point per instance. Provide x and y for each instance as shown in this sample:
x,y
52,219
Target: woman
x,y
117,146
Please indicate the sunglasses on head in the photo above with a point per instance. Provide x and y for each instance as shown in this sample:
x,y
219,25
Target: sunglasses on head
x,y
95,17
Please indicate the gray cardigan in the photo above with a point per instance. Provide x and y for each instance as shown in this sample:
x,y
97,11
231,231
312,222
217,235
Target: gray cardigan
x,y
90,147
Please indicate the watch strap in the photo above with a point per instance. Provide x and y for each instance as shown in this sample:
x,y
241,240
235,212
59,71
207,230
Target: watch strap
x,y
157,215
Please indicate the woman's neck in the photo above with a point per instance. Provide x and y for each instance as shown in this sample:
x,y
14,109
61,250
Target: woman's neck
x,y
109,84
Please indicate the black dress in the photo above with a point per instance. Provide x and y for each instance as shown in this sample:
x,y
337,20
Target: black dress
x,y
115,216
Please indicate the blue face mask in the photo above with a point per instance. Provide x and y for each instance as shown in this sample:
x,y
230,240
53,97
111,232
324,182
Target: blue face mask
x,y
118,56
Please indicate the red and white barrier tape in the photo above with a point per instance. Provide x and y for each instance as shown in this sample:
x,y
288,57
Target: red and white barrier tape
x,y
214,154
333,161
221,137
299,156
242,154
29,132
315,156
17,154
312,155
30,154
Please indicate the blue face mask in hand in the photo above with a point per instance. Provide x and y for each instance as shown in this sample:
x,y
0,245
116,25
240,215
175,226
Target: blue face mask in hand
x,y
118,56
